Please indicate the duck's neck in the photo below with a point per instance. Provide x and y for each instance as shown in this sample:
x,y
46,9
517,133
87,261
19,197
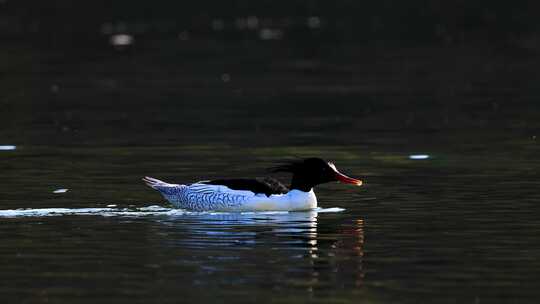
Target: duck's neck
x,y
301,184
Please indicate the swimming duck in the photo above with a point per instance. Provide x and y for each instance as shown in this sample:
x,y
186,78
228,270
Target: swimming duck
x,y
259,194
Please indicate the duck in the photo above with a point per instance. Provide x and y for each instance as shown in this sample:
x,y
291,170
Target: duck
x,y
256,194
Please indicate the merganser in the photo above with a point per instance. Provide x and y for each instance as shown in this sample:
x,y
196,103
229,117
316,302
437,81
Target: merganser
x,y
259,194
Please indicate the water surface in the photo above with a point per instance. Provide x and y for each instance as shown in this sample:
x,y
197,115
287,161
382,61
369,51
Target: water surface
x,y
448,228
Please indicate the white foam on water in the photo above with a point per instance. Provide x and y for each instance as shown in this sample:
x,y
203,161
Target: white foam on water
x,y
7,147
61,190
135,212
51,211
42,212
121,40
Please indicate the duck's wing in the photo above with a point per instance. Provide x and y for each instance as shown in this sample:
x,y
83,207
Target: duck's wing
x,y
265,185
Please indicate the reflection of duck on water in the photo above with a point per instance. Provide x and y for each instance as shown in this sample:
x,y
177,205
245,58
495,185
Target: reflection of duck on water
x,y
261,194
302,250
338,261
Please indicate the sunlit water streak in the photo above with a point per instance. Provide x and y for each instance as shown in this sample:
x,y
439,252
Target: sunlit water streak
x,y
418,156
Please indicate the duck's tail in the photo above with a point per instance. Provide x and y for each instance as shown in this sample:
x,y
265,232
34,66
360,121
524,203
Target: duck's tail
x,y
153,183
174,193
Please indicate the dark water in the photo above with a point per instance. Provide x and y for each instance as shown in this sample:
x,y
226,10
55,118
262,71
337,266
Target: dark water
x,y
458,227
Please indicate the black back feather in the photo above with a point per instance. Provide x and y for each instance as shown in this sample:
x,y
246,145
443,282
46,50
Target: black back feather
x,y
266,185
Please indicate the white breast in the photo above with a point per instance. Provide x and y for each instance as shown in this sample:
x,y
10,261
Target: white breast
x,y
294,200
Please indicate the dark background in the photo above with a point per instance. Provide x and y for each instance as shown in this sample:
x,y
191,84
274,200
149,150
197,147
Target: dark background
x,y
196,67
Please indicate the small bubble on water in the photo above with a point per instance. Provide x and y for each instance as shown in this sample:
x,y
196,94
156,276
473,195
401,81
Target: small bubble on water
x,y
270,34
121,40
418,156
314,22
252,22
225,77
